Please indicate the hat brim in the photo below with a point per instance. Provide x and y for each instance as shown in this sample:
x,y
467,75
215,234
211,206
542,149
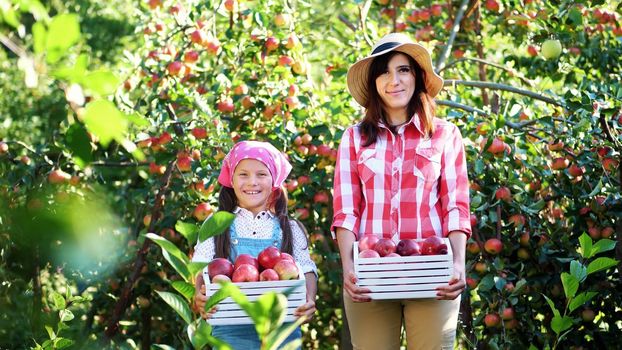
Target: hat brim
x,y
358,72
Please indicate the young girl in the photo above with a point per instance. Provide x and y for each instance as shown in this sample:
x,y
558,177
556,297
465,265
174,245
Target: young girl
x,y
252,176
400,173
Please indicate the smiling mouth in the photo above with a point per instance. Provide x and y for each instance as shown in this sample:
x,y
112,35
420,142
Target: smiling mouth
x,y
252,192
394,92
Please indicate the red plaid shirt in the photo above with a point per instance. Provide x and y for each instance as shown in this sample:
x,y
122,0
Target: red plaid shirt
x,y
404,185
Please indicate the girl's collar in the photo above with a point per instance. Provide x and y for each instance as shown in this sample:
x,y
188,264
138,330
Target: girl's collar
x,y
240,210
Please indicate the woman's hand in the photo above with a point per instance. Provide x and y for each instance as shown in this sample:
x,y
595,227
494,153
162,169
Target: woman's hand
x,y
306,311
456,285
199,303
356,293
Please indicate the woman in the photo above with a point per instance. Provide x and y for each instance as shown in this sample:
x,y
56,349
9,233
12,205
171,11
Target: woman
x,y
401,173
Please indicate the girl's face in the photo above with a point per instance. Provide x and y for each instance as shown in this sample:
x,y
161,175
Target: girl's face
x,y
252,184
396,86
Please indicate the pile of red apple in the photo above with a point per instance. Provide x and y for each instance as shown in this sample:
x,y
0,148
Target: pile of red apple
x,y
270,265
372,246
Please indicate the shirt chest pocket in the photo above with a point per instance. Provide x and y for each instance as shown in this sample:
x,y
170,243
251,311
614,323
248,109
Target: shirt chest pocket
x,y
369,166
428,164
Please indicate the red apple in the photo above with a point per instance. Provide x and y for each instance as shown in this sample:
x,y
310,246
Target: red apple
x,y
269,257
368,241
492,320
191,56
184,163
392,255
245,259
220,278
285,256
408,247
268,275
199,133
385,246
493,246
219,266
286,269
431,245
503,193
175,67
58,176
202,211
368,253
321,197
507,313
245,273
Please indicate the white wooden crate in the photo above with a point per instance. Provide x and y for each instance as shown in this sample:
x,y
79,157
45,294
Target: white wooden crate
x,y
230,313
404,277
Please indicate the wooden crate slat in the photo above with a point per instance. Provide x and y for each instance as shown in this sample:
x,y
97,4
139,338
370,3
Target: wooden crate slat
x,y
414,273
241,320
404,266
402,280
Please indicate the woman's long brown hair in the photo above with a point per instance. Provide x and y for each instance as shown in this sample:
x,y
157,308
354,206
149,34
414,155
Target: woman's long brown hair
x,y
421,103
227,201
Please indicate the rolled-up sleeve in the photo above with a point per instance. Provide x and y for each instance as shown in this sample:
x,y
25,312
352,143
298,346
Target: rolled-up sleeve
x,y
454,186
347,187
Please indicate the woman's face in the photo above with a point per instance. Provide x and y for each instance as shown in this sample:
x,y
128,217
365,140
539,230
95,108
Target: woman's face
x,y
252,184
396,86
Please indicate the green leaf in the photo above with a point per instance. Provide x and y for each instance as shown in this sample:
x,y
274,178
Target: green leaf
x,y
51,333
178,260
73,72
79,144
178,304
188,230
38,37
601,264
578,270
66,315
58,300
550,302
102,82
9,16
215,224
168,246
586,245
603,245
596,190
103,119
179,265
268,312
63,33
560,324
571,285
61,343
581,299
200,334
195,267
277,337
184,288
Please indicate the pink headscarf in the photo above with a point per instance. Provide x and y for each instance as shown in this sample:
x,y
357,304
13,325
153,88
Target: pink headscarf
x,y
262,151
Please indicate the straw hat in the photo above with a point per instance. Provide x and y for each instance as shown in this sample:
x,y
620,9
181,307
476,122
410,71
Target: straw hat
x,y
357,74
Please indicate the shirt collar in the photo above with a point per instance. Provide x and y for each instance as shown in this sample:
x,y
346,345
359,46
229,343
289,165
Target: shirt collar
x,y
248,213
415,120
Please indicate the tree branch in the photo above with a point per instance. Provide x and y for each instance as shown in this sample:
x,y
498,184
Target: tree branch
x,y
124,298
503,87
461,106
452,36
511,71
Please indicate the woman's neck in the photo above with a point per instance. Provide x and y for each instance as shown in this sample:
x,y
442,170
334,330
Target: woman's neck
x,y
396,119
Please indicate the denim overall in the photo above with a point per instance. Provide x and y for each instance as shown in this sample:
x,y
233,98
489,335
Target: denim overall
x,y
244,337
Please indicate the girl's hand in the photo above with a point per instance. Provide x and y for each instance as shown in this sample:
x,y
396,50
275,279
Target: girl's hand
x,y
455,287
306,311
356,293
199,303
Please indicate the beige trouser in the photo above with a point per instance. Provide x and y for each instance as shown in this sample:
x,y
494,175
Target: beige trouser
x,y
430,324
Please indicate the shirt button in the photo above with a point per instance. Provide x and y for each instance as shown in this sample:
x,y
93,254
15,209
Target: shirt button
x,y
234,241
